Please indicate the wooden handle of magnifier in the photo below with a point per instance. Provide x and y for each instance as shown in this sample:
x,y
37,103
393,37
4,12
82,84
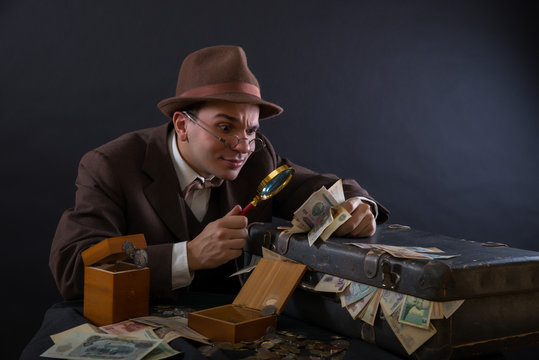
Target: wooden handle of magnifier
x,y
247,209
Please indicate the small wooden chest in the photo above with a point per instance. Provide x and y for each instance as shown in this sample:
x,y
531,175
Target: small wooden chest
x,y
114,290
271,284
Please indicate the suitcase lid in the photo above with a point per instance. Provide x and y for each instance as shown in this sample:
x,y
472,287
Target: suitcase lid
x,y
481,269
111,250
271,283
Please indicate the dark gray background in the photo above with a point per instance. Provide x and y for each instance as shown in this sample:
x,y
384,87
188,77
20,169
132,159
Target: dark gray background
x,y
431,106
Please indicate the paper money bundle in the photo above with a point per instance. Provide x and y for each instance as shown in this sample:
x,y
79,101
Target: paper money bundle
x,y
408,316
321,214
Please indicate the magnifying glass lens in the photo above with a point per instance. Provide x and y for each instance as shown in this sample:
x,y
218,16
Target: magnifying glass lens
x,y
275,183
271,185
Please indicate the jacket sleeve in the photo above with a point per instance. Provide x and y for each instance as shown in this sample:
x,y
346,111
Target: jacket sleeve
x,y
98,214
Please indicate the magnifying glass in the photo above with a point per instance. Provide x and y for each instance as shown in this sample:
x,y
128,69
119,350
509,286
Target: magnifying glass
x,y
270,185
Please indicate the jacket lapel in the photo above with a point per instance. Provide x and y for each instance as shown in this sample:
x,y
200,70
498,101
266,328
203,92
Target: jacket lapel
x,y
163,191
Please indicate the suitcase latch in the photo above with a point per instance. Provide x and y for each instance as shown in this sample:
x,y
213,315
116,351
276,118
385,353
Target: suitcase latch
x,y
282,242
390,279
370,262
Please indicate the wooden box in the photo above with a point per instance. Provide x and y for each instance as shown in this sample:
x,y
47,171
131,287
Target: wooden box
x,y
271,284
114,290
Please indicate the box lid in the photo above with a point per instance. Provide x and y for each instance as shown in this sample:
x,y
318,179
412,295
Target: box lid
x,y
111,249
271,283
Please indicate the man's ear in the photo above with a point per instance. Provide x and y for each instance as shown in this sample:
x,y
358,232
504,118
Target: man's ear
x,y
180,125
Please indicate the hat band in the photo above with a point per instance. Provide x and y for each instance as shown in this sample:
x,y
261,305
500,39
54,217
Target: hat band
x,y
230,87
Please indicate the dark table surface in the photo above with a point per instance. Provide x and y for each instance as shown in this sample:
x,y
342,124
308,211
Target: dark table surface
x,y
66,315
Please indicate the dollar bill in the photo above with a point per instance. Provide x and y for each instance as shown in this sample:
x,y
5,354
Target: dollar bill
x,y
415,312
268,254
319,228
410,337
356,308
391,300
449,307
369,315
330,283
101,346
355,292
245,270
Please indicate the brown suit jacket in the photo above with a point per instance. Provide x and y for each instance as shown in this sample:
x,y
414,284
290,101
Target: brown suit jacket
x,y
129,186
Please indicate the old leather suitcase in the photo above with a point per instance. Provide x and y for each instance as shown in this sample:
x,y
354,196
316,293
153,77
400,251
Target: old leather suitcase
x,y
499,286
114,290
268,287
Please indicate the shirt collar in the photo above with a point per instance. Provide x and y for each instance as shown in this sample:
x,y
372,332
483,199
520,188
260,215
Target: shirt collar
x,y
185,173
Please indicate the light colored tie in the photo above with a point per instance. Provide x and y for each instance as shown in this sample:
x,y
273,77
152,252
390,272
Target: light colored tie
x,y
198,185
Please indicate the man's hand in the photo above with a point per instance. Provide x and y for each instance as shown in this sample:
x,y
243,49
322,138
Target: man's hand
x,y
219,242
362,222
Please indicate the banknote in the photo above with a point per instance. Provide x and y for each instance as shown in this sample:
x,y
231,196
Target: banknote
x,y
336,190
369,315
449,307
315,208
391,300
319,227
436,312
84,328
162,351
244,270
124,327
175,323
356,308
101,346
339,216
355,292
410,337
415,312
330,283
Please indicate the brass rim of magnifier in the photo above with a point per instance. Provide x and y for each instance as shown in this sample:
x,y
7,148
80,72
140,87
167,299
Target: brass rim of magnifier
x,y
268,178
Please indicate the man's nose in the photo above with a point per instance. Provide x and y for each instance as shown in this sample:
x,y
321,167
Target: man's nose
x,y
243,146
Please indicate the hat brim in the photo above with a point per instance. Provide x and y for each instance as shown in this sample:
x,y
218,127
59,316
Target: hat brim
x,y
267,110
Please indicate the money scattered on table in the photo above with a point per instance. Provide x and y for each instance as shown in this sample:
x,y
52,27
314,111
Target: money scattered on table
x,y
124,327
176,323
84,329
284,345
100,346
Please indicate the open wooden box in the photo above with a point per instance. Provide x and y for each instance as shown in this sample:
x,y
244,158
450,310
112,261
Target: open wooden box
x,y
114,290
271,284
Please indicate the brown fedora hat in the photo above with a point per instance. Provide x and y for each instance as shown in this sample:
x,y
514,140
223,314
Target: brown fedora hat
x,y
217,73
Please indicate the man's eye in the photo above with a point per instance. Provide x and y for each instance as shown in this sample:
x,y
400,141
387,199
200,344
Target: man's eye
x,y
224,128
251,131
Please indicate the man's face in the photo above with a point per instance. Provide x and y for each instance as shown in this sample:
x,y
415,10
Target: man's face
x,y
206,154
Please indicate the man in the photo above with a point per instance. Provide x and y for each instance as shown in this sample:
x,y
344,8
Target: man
x,y
141,183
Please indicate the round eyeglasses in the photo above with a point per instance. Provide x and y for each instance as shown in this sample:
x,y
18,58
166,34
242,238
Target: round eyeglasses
x,y
231,141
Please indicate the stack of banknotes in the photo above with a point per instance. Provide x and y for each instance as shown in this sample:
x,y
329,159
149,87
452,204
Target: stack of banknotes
x,y
408,316
321,214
